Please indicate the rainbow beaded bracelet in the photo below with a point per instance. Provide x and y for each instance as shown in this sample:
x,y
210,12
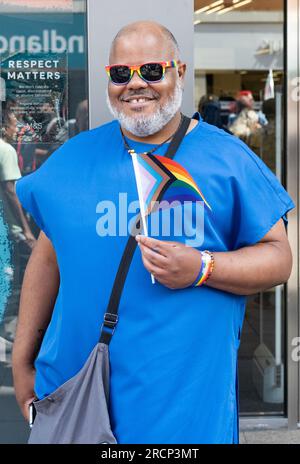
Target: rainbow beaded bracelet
x,y
207,267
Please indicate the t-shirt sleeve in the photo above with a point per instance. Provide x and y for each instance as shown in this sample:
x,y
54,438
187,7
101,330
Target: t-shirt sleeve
x,y
27,193
9,168
42,192
259,198
35,191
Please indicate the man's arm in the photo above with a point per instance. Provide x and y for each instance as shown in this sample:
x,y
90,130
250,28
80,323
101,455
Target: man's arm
x,y
38,295
244,272
254,268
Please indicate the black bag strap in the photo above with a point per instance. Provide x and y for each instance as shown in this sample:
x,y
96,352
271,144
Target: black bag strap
x,y
111,315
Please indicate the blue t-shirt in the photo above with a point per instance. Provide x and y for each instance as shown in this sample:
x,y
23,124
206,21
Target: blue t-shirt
x,y
173,355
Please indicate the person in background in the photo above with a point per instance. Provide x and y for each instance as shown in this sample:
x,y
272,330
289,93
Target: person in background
x,y
210,110
247,123
268,151
49,123
9,173
76,125
82,117
15,232
26,140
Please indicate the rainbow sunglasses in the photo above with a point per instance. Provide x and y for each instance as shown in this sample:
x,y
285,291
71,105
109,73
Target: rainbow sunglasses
x,y
121,74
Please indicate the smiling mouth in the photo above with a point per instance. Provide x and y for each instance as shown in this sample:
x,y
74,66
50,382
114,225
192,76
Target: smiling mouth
x,y
135,100
139,100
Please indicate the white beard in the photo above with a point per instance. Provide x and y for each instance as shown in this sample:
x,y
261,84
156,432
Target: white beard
x,y
142,126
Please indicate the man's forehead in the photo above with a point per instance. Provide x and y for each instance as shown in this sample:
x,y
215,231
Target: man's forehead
x,y
135,47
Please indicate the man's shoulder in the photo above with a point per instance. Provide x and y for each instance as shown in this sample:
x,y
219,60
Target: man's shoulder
x,y
82,145
226,149
98,133
214,137
205,131
219,137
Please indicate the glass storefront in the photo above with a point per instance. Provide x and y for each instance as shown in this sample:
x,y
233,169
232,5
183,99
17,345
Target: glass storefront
x,y
44,102
239,86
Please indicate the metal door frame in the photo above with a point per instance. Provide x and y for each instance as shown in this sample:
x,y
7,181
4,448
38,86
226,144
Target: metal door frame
x,y
292,153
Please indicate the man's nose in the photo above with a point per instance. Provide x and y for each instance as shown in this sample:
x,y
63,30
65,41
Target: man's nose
x,y
136,82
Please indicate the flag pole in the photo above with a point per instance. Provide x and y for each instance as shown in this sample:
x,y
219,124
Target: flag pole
x,y
140,194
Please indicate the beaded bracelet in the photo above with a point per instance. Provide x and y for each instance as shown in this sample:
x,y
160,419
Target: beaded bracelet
x,y
207,267
212,265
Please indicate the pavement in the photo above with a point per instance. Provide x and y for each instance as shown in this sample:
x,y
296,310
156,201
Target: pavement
x,y
274,437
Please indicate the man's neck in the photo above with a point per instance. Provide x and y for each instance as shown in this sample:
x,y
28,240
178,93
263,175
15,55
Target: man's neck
x,y
165,133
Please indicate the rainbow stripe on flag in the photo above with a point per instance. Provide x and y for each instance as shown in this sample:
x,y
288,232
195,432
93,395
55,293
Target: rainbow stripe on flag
x,y
165,179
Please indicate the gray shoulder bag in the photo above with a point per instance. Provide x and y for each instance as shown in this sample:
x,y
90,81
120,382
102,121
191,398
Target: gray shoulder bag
x,y
78,411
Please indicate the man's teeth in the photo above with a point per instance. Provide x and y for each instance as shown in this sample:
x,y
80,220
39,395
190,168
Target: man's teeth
x,y
139,100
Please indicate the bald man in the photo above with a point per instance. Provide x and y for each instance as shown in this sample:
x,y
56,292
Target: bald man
x,y
173,354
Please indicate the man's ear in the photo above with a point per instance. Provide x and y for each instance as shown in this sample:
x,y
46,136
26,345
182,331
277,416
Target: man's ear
x,y
181,70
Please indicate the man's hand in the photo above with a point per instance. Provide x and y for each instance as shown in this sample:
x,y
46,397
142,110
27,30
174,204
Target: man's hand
x,y
172,264
24,388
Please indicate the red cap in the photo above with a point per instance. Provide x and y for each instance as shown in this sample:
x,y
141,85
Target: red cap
x,y
245,93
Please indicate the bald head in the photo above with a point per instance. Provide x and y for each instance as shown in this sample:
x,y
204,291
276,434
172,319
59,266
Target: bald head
x,y
144,107
147,30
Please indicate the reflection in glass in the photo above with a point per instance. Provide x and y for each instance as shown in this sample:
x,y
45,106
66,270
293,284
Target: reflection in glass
x,y
43,103
239,77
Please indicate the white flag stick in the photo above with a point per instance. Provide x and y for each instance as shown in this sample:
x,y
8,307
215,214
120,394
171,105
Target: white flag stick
x,y
141,198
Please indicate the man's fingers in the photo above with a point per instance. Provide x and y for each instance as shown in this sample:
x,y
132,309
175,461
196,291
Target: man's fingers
x,y
160,246
154,257
154,270
25,408
149,242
